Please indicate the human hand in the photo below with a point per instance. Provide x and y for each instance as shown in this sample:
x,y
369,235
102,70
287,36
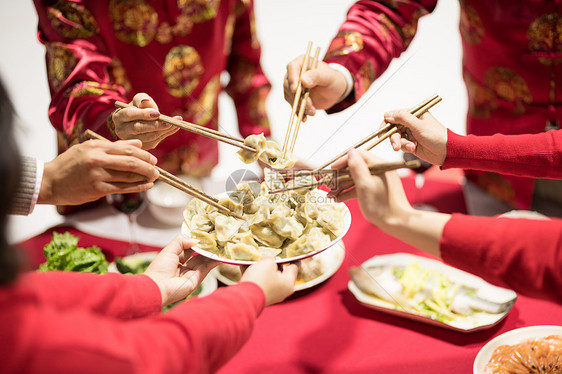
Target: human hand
x,y
425,137
326,85
139,122
381,197
176,271
93,169
276,284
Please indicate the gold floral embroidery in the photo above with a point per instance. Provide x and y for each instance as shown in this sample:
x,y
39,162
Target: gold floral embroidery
x,y
134,21
164,34
199,10
89,88
345,42
118,74
408,31
182,70
60,63
509,86
202,110
545,38
72,20
471,26
365,77
482,101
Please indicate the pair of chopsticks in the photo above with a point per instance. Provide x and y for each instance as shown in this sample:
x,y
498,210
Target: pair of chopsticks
x,y
299,103
336,176
200,130
388,129
178,183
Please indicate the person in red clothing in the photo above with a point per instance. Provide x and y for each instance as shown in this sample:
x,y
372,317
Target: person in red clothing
x,y
523,254
510,66
99,52
66,322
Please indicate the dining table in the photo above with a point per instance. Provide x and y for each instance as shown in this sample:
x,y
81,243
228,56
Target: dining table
x,y
324,329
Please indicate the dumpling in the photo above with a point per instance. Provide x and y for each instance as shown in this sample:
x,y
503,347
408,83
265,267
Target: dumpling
x,y
226,227
232,205
287,227
267,236
269,251
201,222
194,207
258,142
245,238
331,219
241,251
314,240
207,241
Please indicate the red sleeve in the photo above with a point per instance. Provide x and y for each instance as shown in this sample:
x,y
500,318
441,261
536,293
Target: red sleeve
x,y
522,254
526,155
374,33
111,294
197,336
248,84
78,70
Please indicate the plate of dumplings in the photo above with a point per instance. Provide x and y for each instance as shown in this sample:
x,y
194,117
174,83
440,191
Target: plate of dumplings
x,y
291,226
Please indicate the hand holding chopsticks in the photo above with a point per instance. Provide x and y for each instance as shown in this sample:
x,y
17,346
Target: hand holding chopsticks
x,y
178,183
387,131
200,130
299,103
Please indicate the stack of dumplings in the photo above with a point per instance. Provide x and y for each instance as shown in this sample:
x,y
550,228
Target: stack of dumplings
x,y
286,225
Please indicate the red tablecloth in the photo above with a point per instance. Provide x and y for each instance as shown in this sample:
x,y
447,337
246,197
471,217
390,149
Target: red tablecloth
x,y
326,330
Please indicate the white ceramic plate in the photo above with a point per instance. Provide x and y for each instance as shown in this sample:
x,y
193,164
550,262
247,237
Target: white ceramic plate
x,y
510,338
331,260
475,322
347,223
208,285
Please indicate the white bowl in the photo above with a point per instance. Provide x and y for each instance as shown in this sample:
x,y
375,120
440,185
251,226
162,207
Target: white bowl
x,y
167,203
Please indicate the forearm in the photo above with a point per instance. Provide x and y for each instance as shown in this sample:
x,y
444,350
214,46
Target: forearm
x,y
421,229
115,295
523,254
528,155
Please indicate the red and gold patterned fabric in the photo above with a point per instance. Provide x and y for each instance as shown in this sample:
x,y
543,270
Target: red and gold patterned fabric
x,y
100,51
511,66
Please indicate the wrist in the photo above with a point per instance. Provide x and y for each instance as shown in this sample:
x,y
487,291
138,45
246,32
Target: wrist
x,y
46,195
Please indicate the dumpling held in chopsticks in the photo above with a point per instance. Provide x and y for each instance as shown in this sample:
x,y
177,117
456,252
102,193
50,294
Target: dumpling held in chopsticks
x,y
267,151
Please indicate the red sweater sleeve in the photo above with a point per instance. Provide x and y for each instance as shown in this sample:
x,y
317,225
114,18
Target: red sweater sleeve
x,y
522,254
111,294
197,336
526,155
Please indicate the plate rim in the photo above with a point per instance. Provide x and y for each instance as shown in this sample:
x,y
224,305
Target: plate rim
x,y
213,256
358,295
522,333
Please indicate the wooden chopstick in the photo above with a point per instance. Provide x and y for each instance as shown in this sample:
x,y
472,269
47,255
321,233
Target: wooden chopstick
x,y
384,130
296,100
200,130
302,103
178,183
343,175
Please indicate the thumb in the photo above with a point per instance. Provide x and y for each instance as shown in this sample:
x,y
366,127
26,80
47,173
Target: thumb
x,y
318,77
